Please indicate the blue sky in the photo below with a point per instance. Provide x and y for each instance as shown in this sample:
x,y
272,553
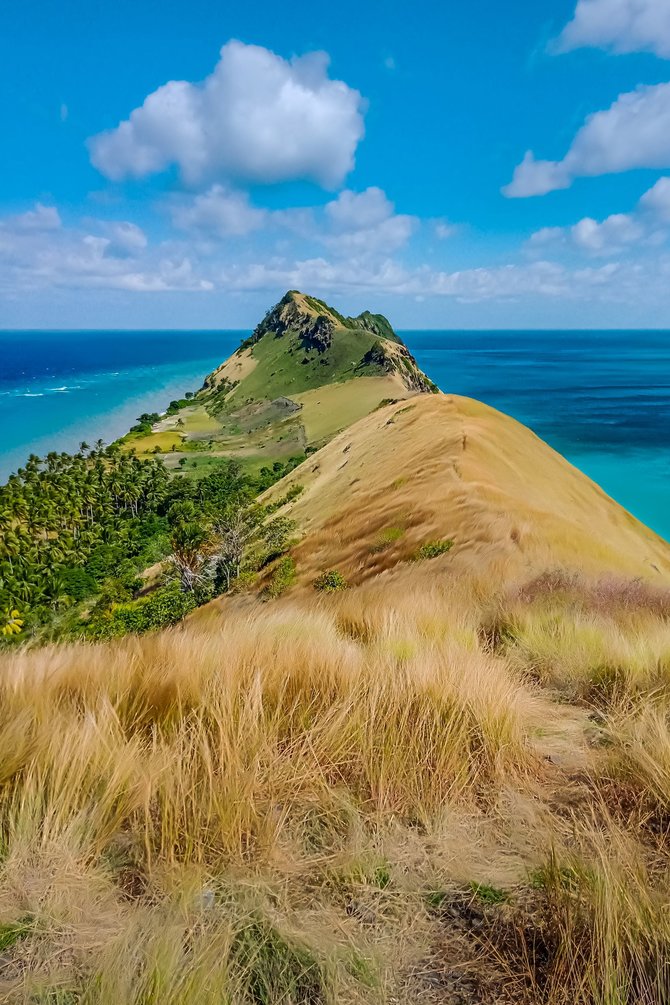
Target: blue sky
x,y
454,165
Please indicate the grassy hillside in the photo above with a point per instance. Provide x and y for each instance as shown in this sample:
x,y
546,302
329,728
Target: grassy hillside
x,y
445,467
257,406
428,763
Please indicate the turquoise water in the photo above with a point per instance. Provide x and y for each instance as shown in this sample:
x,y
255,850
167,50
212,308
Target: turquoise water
x,y
601,398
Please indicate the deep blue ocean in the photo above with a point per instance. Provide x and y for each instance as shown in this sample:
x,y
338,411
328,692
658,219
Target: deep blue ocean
x,y
601,398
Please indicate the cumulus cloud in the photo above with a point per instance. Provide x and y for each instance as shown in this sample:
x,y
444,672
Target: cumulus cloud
x,y
646,223
598,238
35,253
611,282
355,223
619,25
39,218
219,212
633,133
257,118
366,222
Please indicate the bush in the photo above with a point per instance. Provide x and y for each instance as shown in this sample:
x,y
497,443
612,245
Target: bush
x,y
167,606
283,576
330,582
433,549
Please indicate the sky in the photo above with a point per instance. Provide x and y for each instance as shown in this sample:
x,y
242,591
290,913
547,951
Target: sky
x,y
469,164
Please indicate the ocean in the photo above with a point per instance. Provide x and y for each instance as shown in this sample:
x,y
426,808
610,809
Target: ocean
x,y
601,398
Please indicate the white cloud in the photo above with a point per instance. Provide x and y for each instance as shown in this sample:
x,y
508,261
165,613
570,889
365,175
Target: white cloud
x,y
366,223
612,282
620,25
257,118
35,253
599,238
646,223
220,212
39,218
657,200
125,238
444,229
633,133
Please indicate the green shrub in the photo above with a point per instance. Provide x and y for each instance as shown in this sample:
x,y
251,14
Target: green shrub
x,y
433,549
283,576
166,606
330,582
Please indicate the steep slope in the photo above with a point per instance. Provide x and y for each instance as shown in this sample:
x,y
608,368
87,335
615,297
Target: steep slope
x,y
445,467
304,374
447,783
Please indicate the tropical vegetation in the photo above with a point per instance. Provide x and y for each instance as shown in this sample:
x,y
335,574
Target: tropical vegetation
x,y
78,531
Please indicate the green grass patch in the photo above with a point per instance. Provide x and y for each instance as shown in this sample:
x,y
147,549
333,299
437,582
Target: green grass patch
x,y
15,931
386,538
432,549
271,968
488,894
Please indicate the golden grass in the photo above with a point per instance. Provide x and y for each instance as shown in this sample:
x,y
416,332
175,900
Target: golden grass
x,y
202,760
446,467
260,806
439,784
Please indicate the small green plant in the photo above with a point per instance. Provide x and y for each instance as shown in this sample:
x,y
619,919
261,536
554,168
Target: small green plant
x,y
488,894
12,933
330,582
386,538
432,549
272,969
436,899
283,576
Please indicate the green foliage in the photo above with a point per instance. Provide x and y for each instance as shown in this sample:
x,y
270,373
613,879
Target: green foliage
x,y
166,606
330,582
273,969
267,476
488,894
145,422
67,522
433,549
283,576
436,899
13,932
78,582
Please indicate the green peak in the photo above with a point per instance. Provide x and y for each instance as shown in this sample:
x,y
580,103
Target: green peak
x,y
316,321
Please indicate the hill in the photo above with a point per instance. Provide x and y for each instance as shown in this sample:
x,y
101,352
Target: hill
x,y
420,755
442,467
305,373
